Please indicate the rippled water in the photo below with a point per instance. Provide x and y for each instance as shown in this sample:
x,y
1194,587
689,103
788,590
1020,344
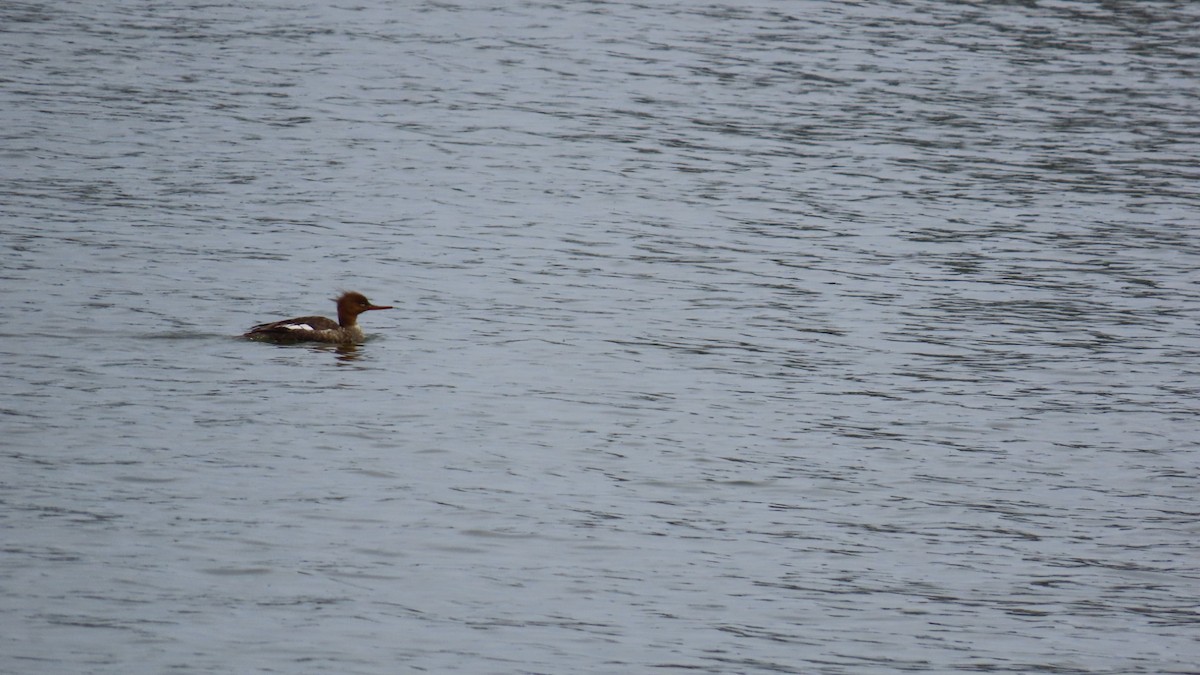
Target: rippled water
x,y
764,337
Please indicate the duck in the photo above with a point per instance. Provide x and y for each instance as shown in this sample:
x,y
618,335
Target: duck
x,y
318,328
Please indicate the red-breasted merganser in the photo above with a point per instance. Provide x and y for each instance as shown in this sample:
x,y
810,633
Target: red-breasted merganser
x,y
317,328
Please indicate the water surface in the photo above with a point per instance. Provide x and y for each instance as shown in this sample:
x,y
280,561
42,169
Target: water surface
x,y
768,337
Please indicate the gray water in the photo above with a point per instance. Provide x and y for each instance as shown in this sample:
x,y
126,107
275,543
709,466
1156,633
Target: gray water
x,y
768,337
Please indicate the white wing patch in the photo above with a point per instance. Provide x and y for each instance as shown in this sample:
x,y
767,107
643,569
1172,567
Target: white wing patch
x,y
297,326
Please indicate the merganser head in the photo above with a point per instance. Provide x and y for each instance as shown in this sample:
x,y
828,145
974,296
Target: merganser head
x,y
350,305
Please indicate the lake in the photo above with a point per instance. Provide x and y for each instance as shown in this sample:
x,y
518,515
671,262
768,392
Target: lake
x,y
766,337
